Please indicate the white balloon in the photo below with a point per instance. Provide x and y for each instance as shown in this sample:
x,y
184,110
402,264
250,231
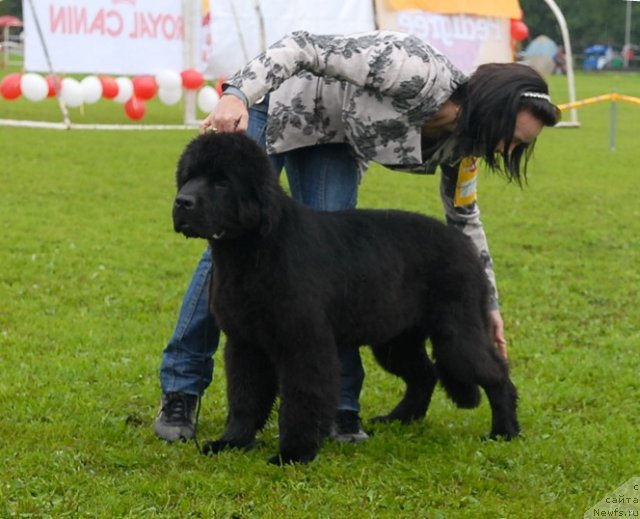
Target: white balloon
x,y
207,98
34,87
71,92
125,90
169,96
91,89
169,79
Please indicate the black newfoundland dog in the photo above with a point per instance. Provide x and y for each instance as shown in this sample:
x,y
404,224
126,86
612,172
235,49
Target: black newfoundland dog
x,y
292,285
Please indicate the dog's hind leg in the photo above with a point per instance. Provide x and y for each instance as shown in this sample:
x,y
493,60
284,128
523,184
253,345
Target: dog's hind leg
x,y
405,356
503,398
251,392
492,374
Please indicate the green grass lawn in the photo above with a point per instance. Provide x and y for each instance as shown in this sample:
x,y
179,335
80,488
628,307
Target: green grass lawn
x,y
92,274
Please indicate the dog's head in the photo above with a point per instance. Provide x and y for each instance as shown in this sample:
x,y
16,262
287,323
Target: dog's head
x,y
226,188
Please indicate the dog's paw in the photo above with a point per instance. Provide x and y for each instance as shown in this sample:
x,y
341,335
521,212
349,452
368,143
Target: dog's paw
x,y
277,460
391,417
283,459
383,418
504,435
215,446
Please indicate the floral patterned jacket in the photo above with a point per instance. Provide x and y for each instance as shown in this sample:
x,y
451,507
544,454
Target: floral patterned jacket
x,y
372,90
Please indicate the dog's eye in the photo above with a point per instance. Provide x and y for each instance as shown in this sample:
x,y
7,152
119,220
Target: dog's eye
x,y
221,184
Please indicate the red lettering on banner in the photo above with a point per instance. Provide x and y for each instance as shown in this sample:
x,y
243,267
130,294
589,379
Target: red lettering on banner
x,y
135,33
77,20
118,22
97,26
55,19
155,20
173,28
148,25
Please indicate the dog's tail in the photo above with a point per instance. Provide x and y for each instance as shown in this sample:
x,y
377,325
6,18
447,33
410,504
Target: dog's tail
x,y
464,354
463,394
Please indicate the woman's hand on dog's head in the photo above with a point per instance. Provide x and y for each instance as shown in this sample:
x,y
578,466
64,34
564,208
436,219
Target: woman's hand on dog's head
x,y
229,115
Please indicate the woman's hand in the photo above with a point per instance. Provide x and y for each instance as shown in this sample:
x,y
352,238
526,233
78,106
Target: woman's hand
x,y
497,329
229,115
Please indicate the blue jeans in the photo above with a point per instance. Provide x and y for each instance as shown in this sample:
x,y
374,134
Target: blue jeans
x,y
323,177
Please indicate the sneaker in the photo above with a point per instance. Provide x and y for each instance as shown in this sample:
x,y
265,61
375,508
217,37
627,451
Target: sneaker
x,y
348,428
177,416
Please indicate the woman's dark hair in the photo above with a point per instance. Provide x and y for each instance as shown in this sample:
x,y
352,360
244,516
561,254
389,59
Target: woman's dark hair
x,y
489,104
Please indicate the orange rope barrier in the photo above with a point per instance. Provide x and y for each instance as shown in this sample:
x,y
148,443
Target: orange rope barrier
x,y
630,99
597,99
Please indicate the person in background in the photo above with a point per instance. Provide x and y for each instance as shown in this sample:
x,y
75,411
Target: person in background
x,y
325,107
560,61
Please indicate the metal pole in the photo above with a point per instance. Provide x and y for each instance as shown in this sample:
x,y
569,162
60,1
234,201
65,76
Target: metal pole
x,y
612,129
236,20
569,56
61,103
627,36
263,34
188,57
5,47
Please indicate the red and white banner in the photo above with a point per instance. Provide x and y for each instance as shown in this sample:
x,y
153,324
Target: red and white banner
x,y
133,37
105,36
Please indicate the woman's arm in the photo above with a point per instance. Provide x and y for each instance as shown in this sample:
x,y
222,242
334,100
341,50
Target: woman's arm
x,y
465,215
387,62
381,63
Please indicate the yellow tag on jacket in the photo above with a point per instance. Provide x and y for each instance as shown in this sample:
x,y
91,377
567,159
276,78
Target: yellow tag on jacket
x,y
467,182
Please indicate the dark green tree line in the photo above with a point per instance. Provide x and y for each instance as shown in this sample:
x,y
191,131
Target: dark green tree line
x,y
589,21
13,7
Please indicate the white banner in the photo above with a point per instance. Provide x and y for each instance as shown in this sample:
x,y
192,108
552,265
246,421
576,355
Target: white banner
x,y
105,36
132,37
467,40
237,34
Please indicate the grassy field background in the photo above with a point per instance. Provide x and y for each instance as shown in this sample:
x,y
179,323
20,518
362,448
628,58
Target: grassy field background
x,y
91,277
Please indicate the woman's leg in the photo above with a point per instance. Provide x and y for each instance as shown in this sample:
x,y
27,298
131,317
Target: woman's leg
x,y
187,360
326,177
323,177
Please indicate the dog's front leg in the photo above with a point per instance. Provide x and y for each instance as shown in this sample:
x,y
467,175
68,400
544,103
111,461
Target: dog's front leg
x,y
309,377
251,392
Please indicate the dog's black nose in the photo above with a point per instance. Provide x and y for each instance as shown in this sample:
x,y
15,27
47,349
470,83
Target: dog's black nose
x,y
187,202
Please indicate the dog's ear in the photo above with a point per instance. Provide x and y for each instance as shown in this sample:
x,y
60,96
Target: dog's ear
x,y
181,170
263,208
249,213
260,210
189,160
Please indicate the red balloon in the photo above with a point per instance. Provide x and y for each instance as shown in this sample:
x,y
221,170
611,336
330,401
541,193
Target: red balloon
x,y
144,87
109,87
10,86
191,79
519,30
135,108
55,84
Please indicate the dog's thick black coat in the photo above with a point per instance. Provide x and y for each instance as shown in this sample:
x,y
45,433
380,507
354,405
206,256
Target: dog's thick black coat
x,y
291,285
